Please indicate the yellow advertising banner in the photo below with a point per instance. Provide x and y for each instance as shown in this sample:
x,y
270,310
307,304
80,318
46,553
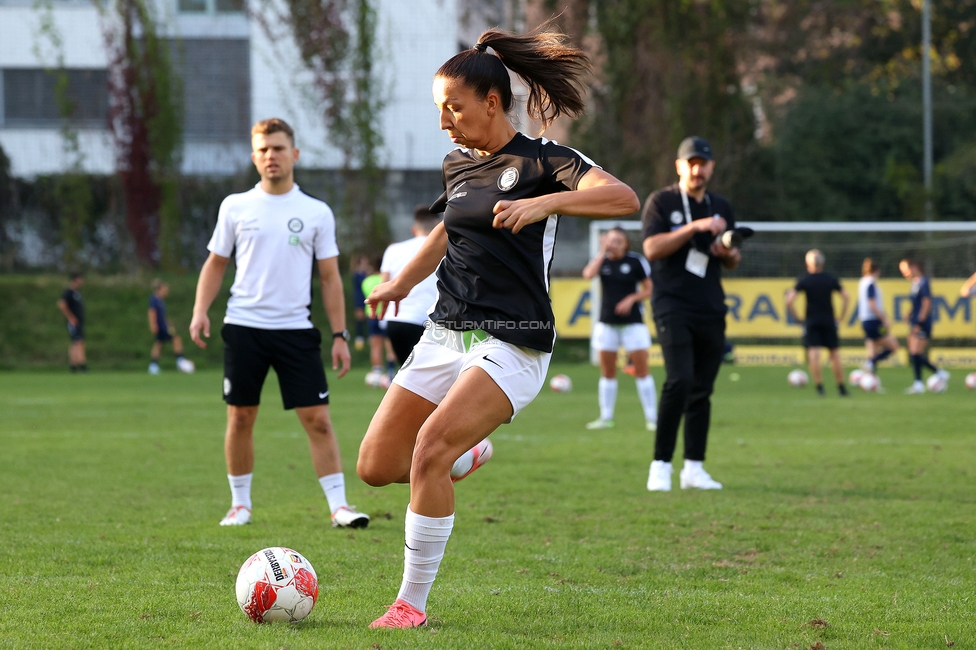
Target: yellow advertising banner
x,y
757,308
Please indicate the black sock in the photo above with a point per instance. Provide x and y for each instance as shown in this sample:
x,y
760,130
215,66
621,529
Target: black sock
x,y
924,360
360,329
917,366
881,356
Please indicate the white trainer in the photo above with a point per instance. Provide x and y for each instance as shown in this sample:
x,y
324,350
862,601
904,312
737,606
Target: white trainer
x,y
600,423
237,516
698,479
651,425
153,368
184,365
917,388
943,374
659,479
349,517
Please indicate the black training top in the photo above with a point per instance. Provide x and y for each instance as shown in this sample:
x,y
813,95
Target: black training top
x,y
920,291
75,305
618,279
819,287
491,279
675,288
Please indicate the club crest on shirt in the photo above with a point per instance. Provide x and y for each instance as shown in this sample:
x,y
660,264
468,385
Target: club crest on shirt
x,y
625,268
508,179
295,225
677,217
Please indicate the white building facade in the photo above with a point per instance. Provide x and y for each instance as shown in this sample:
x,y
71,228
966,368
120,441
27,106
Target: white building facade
x,y
233,74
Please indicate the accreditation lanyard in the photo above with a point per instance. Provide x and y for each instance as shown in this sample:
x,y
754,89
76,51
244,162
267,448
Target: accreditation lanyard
x,y
684,202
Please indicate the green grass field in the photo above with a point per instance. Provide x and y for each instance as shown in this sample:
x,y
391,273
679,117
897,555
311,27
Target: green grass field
x,y
844,523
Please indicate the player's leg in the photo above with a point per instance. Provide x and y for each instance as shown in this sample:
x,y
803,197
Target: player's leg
x,y
154,353
813,359
709,347
387,447
637,340
245,368
606,340
838,370
674,335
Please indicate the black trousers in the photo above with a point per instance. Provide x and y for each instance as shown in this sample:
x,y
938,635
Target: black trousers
x,y
692,348
403,337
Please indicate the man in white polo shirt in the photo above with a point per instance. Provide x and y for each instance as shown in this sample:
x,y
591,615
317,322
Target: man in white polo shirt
x,y
405,324
276,233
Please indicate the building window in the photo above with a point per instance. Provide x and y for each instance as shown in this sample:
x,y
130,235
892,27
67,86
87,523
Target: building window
x,y
211,6
30,97
216,75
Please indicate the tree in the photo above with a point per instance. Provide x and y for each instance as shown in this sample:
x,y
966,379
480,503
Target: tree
x,y
145,122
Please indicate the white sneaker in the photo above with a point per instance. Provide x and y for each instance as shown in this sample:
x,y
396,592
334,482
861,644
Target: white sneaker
x,y
943,374
186,366
698,479
915,389
600,424
236,516
651,425
154,368
349,517
659,480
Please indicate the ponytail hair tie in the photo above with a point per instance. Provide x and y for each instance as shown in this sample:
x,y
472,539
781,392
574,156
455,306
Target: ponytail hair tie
x,y
481,47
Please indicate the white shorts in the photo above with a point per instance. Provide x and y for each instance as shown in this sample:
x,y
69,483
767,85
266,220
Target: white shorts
x,y
630,337
442,355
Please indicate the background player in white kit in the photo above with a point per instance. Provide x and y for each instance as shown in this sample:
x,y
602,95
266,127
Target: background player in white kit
x,y
276,233
405,327
625,281
874,321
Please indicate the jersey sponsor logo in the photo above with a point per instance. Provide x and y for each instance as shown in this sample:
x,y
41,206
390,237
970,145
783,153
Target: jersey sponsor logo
x,y
677,217
625,268
294,240
508,179
295,225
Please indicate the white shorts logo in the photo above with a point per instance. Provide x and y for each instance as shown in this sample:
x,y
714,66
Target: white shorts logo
x,y
677,217
508,179
295,225
226,386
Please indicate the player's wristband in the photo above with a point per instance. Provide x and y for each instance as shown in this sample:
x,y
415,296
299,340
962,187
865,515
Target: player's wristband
x,y
344,335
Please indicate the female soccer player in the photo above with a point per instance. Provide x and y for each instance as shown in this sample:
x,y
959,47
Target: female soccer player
x,y
486,353
621,324
870,310
920,321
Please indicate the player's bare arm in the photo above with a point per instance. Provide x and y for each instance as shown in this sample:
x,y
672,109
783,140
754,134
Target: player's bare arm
x,y
873,306
335,311
666,244
845,303
422,265
790,300
63,306
624,306
592,268
967,287
923,313
597,196
208,285
153,323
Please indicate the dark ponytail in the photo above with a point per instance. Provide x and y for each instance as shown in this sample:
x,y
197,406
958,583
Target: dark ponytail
x,y
551,69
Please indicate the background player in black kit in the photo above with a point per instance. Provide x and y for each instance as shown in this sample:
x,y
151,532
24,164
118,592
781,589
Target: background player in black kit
x,y
681,227
73,308
625,283
820,326
486,355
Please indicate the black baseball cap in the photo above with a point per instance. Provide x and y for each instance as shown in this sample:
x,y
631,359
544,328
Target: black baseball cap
x,y
694,147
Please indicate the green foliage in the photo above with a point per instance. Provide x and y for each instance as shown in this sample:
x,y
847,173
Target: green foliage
x,y
843,524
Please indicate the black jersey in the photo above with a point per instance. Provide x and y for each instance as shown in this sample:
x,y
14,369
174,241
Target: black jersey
x,y
491,279
75,304
675,288
619,279
819,287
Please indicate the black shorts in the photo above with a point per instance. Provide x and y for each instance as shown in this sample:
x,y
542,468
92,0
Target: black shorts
x,y
820,335
924,330
403,338
76,332
163,335
296,356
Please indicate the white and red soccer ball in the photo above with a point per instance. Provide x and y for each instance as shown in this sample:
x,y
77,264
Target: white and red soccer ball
x,y
854,379
937,384
561,383
869,382
277,584
797,378
971,381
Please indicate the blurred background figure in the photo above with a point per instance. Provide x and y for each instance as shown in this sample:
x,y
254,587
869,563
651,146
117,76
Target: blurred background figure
x,y
870,311
379,344
163,331
360,267
920,324
73,308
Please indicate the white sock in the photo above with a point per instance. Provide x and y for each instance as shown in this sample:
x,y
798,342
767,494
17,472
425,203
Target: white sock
x,y
608,397
334,486
692,465
240,490
647,392
425,539
463,464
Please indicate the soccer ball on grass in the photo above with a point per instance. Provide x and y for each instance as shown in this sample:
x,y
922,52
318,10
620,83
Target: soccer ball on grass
x,y
936,384
797,378
869,383
855,377
561,383
277,584
971,381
